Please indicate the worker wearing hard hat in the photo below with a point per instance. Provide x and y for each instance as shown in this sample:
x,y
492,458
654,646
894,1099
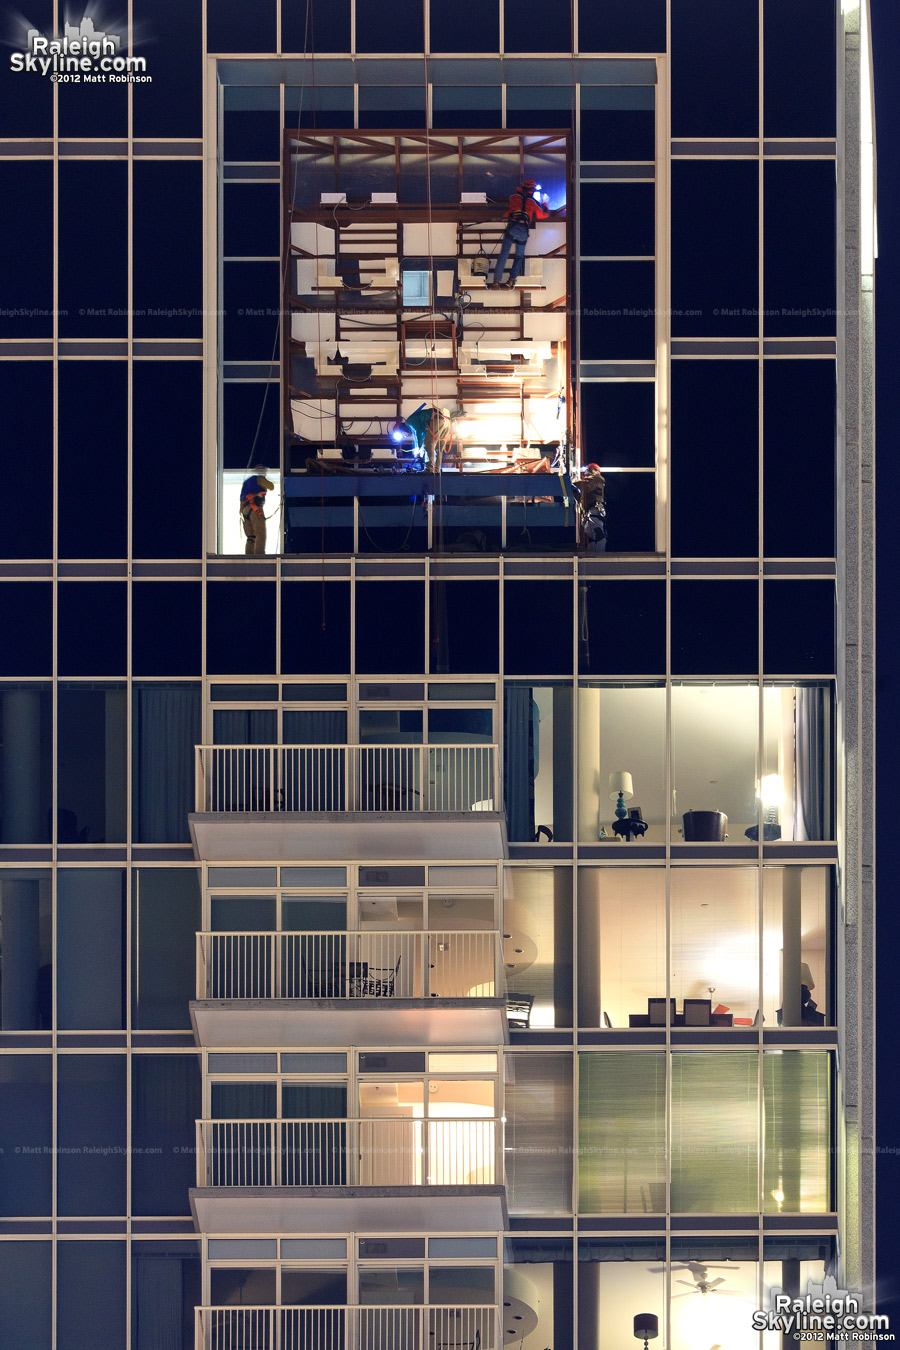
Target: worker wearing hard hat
x,y
590,489
253,515
522,213
431,430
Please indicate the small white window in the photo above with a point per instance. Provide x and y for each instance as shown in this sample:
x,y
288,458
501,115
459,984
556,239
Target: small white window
x,y
416,288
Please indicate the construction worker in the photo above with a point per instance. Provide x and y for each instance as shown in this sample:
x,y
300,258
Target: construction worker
x,y
432,431
253,515
522,213
591,492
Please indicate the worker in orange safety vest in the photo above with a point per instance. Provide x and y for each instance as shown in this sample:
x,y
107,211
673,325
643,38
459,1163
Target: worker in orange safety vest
x,y
253,516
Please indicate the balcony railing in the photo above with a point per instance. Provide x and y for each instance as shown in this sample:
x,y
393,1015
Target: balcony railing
x,y
382,1152
405,778
327,1327
357,964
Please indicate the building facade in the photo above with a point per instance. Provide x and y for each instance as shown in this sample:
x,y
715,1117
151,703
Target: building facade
x,y
453,926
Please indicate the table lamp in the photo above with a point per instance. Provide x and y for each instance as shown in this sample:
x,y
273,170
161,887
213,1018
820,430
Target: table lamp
x,y
621,790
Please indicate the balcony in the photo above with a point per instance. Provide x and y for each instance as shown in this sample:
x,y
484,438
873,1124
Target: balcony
x,y
347,802
437,1175
330,1327
345,988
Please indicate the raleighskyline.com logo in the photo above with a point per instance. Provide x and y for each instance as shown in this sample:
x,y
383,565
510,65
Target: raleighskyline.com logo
x,y
82,55
824,1308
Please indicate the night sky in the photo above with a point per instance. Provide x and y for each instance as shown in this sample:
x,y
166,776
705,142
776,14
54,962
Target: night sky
x,y
886,43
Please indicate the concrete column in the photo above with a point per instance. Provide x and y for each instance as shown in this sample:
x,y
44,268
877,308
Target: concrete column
x,y
21,956
22,767
790,945
562,762
115,762
589,765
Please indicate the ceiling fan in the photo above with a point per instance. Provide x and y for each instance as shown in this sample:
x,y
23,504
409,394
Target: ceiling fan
x,y
702,1284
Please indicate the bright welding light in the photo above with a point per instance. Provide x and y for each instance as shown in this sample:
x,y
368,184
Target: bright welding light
x,y
397,435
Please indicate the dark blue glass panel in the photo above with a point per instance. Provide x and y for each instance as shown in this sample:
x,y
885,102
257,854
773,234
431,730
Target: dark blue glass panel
x,y
165,921
715,248
326,30
466,106
390,628
798,627
715,68
31,604
165,626
630,512
26,1295
799,458
537,25
93,248
91,763
715,459
168,250
240,627
539,106
618,219
91,1103
618,134
232,26
26,290
799,95
714,628
639,26
95,109
251,434
165,1289
165,1102
165,728
465,26
465,627
251,302
252,220
26,97
251,134
617,315
92,463
618,423
167,459
26,1137
91,622
174,54
622,628
90,1294
537,627
391,106
26,395
404,32
90,949
315,628
326,106
800,279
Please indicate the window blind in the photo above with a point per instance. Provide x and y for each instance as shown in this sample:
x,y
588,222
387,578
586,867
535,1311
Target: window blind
x,y
539,1133
621,1133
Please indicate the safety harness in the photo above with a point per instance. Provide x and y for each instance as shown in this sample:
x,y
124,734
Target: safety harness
x,y
253,502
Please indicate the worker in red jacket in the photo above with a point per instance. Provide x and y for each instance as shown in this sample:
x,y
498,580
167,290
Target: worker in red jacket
x,y
521,215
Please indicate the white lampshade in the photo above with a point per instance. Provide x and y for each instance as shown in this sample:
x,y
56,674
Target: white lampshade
x,y
620,782
806,976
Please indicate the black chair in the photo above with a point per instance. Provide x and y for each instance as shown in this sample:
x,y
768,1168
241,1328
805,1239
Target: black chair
x,y
656,1011
518,1011
697,1012
381,981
